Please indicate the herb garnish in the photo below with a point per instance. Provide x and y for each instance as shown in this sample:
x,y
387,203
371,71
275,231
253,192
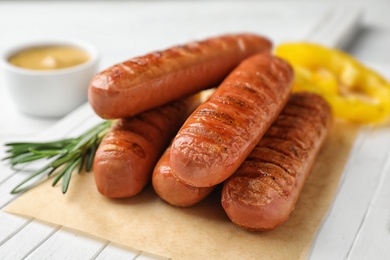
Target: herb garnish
x,y
65,155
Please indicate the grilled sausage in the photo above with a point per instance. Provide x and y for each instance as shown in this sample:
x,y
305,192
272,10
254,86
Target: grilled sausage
x,y
171,189
149,81
263,192
222,131
125,159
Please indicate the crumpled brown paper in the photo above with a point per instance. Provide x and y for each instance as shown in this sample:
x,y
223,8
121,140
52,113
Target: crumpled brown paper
x,y
203,231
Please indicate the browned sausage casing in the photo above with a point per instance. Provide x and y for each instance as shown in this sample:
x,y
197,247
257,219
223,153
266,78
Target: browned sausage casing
x,y
171,189
125,159
263,192
222,131
142,83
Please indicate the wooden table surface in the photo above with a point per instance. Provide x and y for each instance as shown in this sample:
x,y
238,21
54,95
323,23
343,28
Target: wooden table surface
x,y
358,223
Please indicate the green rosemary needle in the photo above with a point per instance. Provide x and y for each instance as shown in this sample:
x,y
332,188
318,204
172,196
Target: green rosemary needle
x,y
65,156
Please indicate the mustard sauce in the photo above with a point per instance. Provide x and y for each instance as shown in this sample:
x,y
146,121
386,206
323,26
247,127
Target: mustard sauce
x,y
49,57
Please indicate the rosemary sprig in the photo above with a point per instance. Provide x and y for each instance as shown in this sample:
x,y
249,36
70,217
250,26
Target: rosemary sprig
x,y
65,156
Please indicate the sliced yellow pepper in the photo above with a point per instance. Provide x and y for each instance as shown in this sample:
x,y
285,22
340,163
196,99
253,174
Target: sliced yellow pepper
x,y
355,92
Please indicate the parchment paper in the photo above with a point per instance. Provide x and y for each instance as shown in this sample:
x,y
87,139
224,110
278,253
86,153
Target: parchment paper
x,y
201,232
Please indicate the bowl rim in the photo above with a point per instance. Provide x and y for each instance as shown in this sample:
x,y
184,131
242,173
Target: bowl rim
x,y
17,47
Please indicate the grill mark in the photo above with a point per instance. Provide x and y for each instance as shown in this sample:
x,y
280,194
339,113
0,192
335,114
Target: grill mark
x,y
290,150
306,116
269,174
189,48
281,151
295,113
137,149
268,82
289,120
244,190
130,125
258,97
259,157
297,124
282,75
205,154
300,117
207,134
228,143
124,143
253,186
172,113
267,88
128,69
296,129
147,122
275,73
312,103
216,115
272,182
305,136
224,123
150,120
280,124
306,106
259,152
233,101
304,111
261,168
298,143
282,133
242,86
309,117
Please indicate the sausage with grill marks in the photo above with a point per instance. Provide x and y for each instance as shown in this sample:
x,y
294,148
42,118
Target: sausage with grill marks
x,y
125,159
149,81
222,131
263,192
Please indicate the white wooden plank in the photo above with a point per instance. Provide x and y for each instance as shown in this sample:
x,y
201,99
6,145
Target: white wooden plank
x,y
5,171
6,187
10,224
373,237
15,176
73,124
149,256
26,240
273,23
361,179
113,251
337,27
23,169
67,244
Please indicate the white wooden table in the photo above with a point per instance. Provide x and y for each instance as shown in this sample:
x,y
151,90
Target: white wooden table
x,y
357,225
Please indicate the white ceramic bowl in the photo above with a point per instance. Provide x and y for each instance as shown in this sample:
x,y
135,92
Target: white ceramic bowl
x,y
51,93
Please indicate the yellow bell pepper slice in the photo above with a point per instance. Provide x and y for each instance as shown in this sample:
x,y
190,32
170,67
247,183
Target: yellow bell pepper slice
x,y
355,92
